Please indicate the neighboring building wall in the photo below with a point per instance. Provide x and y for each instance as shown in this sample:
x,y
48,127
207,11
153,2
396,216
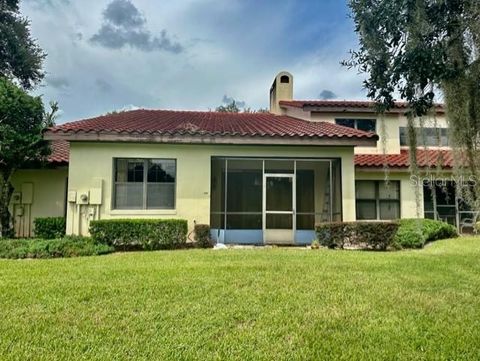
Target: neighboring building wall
x,y
408,206
393,122
91,167
41,194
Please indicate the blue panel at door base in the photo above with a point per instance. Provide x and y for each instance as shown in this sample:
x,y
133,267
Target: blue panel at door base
x,y
304,237
237,236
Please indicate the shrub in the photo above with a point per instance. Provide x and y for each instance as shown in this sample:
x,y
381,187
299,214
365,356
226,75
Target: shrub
x,y
202,236
49,227
415,233
147,234
370,235
53,248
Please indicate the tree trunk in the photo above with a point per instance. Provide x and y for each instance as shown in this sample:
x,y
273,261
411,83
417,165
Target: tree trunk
x,y
6,191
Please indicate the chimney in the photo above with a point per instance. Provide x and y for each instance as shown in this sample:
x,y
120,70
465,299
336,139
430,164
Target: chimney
x,y
282,89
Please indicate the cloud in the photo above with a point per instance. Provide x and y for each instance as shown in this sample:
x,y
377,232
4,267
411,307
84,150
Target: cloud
x,y
226,100
123,13
44,4
103,85
58,82
124,25
327,95
242,48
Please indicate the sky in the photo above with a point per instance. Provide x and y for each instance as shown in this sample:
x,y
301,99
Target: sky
x,y
106,55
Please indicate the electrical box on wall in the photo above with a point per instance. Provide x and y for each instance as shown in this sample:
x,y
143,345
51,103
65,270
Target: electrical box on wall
x,y
72,196
17,198
27,193
83,197
96,191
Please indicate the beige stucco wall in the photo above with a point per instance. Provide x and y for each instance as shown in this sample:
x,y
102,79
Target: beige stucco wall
x,y
393,122
91,162
48,197
408,207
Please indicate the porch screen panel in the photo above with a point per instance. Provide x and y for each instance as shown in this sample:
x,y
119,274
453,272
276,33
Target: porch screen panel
x,y
337,214
313,193
236,200
244,194
217,196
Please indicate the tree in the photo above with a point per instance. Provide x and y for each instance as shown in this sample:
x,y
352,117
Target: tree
x,y
22,119
20,57
233,108
423,49
229,108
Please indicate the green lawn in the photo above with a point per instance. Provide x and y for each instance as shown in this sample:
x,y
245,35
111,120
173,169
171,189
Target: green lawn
x,y
281,304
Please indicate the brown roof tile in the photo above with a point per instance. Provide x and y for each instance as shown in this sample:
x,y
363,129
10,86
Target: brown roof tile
x,y
156,122
425,159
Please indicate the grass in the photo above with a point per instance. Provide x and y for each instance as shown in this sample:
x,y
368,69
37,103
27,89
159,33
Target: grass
x,y
282,304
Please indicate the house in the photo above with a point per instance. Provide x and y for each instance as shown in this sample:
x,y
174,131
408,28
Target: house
x,y
254,177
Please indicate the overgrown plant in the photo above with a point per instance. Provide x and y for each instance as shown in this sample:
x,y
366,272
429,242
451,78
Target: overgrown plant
x,y
420,50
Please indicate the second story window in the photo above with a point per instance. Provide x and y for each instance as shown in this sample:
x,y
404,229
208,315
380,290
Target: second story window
x,y
430,137
367,125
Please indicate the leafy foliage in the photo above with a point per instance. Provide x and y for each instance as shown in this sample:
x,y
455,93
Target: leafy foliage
x,y
229,108
371,235
415,233
49,227
22,119
20,56
421,49
40,248
202,235
147,234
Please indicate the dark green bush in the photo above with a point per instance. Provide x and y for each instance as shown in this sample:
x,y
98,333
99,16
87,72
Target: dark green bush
x,y
49,227
415,233
147,234
369,235
202,236
53,248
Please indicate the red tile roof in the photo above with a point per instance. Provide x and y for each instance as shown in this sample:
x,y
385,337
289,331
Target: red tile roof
x,y
343,105
60,152
425,159
192,123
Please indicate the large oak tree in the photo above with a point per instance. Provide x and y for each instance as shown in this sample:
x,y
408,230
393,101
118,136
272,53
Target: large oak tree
x,y
422,50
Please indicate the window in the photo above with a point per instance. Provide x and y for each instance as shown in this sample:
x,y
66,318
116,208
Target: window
x,y
429,137
377,200
284,79
367,125
144,183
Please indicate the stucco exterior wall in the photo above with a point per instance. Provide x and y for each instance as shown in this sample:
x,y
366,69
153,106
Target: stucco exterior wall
x,y
91,164
48,190
408,207
393,122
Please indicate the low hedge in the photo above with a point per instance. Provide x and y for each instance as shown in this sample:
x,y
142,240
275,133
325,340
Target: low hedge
x,y
49,227
53,248
415,233
146,234
369,235
202,236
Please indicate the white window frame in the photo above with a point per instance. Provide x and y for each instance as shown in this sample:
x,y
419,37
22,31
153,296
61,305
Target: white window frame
x,y
145,184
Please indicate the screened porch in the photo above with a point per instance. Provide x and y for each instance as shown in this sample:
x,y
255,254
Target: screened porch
x,y
278,201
